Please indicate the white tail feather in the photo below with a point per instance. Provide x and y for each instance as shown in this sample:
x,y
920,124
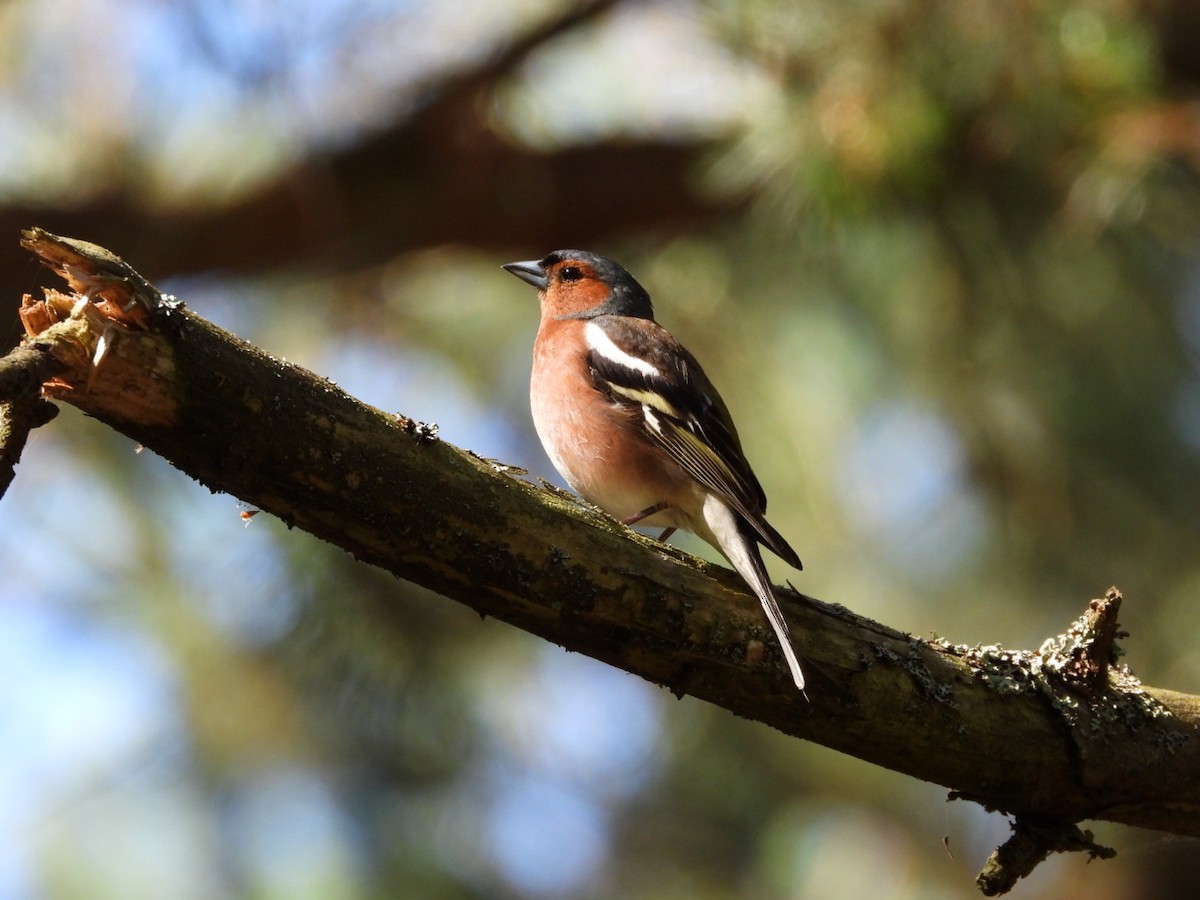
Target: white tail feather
x,y
727,535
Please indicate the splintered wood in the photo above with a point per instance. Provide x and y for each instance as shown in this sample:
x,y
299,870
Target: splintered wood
x,y
116,366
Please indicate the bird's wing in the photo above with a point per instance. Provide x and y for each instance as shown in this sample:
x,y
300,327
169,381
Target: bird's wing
x,y
636,361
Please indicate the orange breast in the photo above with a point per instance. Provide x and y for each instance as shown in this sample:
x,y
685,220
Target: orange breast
x,y
595,443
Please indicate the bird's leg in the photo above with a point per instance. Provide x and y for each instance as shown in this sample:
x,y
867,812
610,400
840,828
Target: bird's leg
x,y
647,513
644,514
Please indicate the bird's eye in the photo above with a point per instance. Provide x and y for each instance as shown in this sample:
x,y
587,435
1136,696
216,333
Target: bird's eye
x,y
571,273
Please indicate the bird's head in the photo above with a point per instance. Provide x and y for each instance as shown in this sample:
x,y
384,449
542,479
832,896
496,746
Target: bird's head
x,y
577,284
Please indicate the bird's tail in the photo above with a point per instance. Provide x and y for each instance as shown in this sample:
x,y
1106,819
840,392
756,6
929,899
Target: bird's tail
x,y
775,543
740,546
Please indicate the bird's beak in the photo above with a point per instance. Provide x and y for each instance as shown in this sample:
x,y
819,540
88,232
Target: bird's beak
x,y
529,271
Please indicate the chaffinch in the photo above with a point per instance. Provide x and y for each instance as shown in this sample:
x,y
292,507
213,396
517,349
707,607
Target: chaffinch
x,y
633,424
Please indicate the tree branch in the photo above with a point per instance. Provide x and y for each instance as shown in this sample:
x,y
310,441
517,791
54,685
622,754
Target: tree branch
x,y
1052,737
22,408
1031,843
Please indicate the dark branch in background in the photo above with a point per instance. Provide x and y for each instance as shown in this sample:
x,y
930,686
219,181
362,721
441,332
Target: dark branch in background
x,y
441,176
1051,737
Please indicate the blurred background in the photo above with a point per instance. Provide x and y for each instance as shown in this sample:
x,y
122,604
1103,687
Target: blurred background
x,y
941,258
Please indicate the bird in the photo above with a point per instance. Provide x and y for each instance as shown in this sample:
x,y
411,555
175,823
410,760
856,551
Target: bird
x,y
635,427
